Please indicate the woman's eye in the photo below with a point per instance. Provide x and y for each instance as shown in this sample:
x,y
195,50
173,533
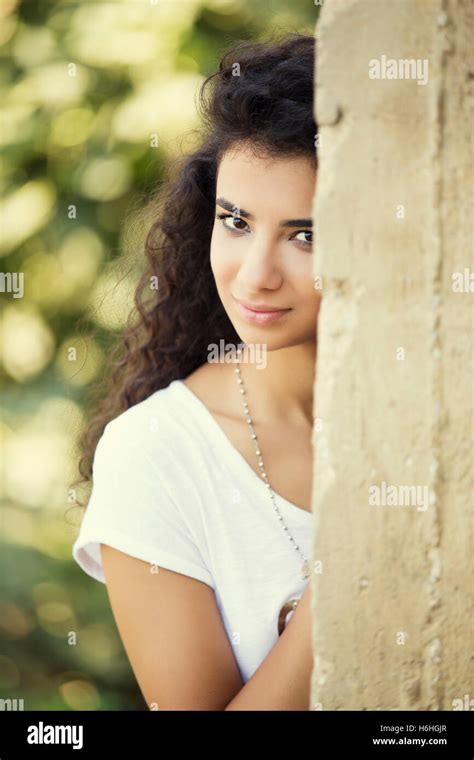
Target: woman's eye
x,y
237,224
234,220
304,232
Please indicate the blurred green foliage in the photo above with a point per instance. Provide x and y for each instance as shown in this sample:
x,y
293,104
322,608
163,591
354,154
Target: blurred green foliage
x,y
96,99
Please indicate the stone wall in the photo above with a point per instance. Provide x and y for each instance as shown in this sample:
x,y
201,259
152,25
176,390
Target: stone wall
x,y
393,484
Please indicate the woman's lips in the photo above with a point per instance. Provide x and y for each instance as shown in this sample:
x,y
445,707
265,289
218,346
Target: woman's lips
x,y
260,317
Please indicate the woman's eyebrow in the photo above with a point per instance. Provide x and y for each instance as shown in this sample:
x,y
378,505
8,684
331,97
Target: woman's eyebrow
x,y
296,223
234,209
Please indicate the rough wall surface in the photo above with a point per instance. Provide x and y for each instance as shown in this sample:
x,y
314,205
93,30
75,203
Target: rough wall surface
x,y
392,489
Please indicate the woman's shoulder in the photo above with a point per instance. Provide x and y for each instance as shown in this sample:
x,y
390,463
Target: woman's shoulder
x,y
173,422
144,498
158,408
152,428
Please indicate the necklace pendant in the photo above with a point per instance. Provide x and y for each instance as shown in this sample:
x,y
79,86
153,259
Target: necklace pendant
x,y
305,569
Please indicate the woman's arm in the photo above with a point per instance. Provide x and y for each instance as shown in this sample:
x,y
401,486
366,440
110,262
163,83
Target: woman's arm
x,y
177,645
283,680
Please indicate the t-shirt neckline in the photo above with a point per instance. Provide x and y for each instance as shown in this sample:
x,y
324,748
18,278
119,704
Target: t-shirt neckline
x,y
240,461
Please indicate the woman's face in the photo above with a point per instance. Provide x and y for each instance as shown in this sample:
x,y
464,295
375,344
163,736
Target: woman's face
x,y
261,249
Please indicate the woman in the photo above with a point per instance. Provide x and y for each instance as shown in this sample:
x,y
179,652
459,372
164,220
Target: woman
x,y
199,520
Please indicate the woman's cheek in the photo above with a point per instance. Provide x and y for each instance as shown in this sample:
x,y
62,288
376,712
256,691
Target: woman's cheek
x,y
216,253
224,260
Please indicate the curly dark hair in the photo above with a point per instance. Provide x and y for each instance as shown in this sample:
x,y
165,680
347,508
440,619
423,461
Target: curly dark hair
x,y
261,97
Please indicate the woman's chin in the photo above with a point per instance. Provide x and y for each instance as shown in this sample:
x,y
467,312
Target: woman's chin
x,y
264,340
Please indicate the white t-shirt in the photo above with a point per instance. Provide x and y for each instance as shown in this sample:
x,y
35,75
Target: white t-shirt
x,y
170,488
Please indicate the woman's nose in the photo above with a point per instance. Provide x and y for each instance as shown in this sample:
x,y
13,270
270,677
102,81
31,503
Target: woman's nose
x,y
260,268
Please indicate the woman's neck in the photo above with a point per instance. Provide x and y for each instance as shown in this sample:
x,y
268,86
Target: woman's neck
x,y
281,386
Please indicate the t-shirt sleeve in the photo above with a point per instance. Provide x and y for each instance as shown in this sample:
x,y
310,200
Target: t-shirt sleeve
x,y
131,509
